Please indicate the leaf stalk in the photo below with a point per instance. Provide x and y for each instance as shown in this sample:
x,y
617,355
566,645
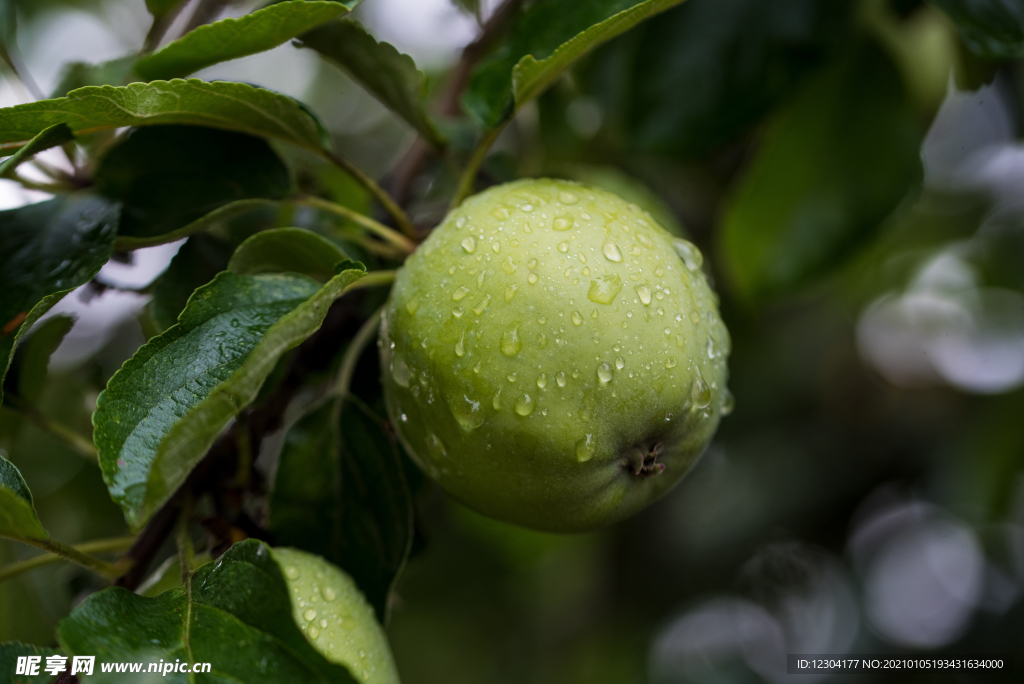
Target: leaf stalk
x,y
381,195
389,235
81,555
363,337
468,180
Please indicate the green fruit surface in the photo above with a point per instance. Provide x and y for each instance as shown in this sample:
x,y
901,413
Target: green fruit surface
x,y
335,616
545,339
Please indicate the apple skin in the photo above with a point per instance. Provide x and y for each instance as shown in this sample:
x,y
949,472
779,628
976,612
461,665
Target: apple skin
x,y
335,617
552,357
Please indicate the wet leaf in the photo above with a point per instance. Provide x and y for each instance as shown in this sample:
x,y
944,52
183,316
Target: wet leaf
x,y
236,614
161,412
10,651
287,250
232,38
46,251
18,518
229,106
387,74
358,513
545,41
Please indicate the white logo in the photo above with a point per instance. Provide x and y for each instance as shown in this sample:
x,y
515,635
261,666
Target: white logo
x,y
82,664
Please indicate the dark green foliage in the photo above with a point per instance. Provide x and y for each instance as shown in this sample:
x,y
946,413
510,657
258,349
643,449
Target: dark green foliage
x,y
163,409
197,262
357,512
28,371
200,170
159,8
288,250
47,250
991,28
783,137
386,73
116,72
10,652
51,137
235,613
707,71
232,38
18,517
230,106
548,29
832,166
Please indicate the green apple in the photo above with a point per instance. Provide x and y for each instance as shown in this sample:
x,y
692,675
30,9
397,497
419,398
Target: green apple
x,y
335,617
553,357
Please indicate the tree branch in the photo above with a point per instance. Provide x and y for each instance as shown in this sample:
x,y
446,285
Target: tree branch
x,y
467,182
12,57
218,470
160,26
379,229
205,12
70,553
49,558
355,350
147,544
390,206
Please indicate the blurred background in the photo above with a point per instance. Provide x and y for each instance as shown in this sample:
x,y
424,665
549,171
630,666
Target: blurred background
x,y
854,174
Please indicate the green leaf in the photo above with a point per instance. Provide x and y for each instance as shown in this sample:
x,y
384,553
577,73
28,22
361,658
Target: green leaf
x,y
358,512
233,38
217,217
8,27
990,28
18,517
47,250
706,72
161,412
284,250
198,261
33,357
545,41
387,74
832,167
236,613
229,106
305,511
51,137
168,575
10,651
200,171
376,506
116,72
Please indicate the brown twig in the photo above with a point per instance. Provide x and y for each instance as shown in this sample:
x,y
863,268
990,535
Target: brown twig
x,y
205,12
12,57
449,102
160,26
148,543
